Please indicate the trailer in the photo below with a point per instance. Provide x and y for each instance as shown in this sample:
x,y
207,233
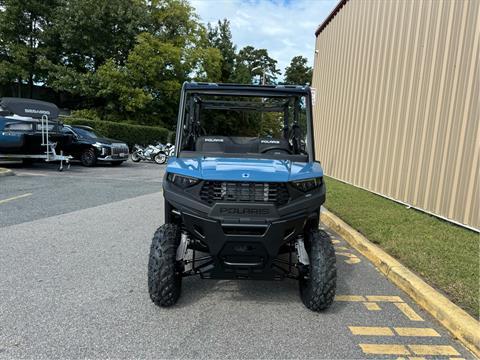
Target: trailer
x,y
30,130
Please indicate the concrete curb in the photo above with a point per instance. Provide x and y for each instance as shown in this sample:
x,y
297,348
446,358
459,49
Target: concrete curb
x,y
463,326
5,172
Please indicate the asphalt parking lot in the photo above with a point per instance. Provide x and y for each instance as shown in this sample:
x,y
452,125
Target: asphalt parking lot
x,y
42,191
73,263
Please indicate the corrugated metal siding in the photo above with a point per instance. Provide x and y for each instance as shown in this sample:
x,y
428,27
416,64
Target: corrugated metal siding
x,y
398,104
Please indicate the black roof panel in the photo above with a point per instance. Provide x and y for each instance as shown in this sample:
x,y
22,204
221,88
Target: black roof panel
x,y
245,88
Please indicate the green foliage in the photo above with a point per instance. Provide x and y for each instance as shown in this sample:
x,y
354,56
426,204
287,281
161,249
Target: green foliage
x,y
23,41
257,65
298,73
124,59
131,134
141,81
118,87
89,114
90,32
220,37
271,124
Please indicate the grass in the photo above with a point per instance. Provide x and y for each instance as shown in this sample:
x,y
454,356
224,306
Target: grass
x,y
444,254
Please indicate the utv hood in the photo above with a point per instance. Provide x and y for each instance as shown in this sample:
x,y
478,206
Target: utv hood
x,y
235,169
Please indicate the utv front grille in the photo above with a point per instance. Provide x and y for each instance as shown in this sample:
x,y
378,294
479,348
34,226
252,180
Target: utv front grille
x,y
268,192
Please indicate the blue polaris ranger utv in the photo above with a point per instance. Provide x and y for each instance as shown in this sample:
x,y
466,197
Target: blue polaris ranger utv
x,y
243,194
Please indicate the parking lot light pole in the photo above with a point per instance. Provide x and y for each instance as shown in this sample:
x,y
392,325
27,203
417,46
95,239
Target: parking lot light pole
x,y
263,73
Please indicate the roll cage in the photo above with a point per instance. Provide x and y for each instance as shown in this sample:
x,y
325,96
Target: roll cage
x,y
189,128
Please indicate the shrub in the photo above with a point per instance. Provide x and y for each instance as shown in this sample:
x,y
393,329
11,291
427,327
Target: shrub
x,y
129,133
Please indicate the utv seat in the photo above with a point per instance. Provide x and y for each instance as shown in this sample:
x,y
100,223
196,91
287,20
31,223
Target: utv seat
x,y
227,144
272,145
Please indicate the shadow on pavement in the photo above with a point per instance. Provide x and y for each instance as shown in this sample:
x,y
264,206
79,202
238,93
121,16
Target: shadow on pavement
x,y
194,289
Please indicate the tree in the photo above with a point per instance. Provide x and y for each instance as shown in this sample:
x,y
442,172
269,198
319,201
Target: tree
x,y
298,73
121,59
92,31
88,33
22,40
220,37
173,48
254,65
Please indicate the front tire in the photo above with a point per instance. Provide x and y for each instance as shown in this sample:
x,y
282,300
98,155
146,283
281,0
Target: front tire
x,y
135,157
160,158
318,284
88,157
164,278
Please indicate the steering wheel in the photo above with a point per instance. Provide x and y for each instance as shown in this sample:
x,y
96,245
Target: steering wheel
x,y
276,149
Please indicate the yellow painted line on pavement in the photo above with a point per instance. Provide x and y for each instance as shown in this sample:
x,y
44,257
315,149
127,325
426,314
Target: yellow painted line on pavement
x,y
386,331
353,260
455,358
418,332
384,298
445,350
349,298
14,198
372,306
384,349
346,254
416,358
462,325
371,331
408,312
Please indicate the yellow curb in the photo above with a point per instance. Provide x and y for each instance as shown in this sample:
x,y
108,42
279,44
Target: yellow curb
x,y
5,172
463,326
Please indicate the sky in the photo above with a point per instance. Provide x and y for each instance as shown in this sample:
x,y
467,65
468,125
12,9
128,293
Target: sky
x,y
286,28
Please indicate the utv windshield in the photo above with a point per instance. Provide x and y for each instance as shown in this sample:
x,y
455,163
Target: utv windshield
x,y
271,125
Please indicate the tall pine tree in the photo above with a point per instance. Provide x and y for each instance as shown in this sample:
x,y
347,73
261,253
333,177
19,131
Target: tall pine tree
x,y
220,37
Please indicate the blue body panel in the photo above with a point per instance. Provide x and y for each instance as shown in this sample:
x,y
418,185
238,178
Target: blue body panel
x,y
244,169
10,140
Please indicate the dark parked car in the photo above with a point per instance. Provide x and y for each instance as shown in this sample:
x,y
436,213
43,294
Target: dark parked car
x,y
90,148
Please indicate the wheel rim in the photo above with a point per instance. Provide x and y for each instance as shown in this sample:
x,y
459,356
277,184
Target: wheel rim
x,y
88,157
160,158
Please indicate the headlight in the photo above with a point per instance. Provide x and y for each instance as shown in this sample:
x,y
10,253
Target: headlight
x,y
308,184
182,181
101,147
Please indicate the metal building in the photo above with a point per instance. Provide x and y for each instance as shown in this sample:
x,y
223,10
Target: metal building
x,y
397,107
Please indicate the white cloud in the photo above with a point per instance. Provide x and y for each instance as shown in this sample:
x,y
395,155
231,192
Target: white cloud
x,y
285,28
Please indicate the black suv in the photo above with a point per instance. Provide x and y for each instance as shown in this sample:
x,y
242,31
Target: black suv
x,y
89,148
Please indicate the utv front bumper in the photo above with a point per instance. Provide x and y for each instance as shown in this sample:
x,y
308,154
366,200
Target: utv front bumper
x,y
244,239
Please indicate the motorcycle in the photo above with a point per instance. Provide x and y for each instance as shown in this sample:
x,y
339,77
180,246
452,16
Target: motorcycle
x,y
153,153
166,150
169,149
